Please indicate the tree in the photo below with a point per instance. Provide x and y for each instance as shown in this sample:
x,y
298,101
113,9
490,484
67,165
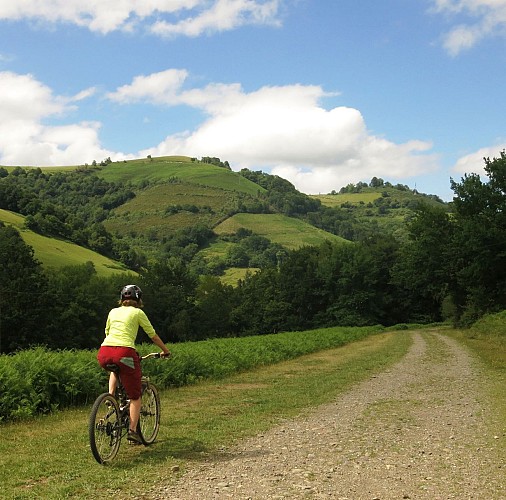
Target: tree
x,y
170,290
480,243
214,303
80,302
23,310
423,272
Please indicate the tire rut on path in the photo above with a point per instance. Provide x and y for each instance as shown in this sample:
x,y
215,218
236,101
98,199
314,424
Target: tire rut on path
x,y
416,431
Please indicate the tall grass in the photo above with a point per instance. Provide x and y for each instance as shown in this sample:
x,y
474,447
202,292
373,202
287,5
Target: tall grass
x,y
487,337
39,381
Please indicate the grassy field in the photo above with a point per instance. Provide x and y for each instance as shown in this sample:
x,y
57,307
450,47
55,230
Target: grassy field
x,y
180,167
289,232
234,274
336,200
49,457
58,253
167,207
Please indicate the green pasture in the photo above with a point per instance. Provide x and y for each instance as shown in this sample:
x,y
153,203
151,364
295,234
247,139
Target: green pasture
x,y
180,167
151,208
216,250
233,275
336,200
177,194
154,223
56,253
278,228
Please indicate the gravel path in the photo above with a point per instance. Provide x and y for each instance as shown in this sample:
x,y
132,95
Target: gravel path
x,y
416,431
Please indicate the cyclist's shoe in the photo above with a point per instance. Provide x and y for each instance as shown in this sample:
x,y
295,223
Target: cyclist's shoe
x,y
133,437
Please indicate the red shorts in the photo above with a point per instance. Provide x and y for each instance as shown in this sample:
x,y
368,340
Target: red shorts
x,y
129,367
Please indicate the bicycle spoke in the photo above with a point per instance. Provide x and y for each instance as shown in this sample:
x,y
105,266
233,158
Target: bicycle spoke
x,y
149,421
105,428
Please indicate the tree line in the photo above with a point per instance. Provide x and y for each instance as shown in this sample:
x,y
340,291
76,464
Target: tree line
x,y
452,267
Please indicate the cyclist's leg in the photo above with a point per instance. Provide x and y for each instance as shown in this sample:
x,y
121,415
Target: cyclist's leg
x,y
130,374
113,383
135,411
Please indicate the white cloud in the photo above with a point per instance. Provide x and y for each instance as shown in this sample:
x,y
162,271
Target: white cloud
x,y
223,15
486,18
158,88
473,163
163,17
25,104
284,130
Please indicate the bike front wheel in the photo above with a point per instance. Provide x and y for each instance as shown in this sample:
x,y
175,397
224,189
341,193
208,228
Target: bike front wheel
x,y
149,420
105,428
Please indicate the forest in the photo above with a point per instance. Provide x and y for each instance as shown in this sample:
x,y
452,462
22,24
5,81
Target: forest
x,y
451,266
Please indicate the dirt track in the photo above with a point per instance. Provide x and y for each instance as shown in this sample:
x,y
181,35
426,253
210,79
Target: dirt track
x,y
417,431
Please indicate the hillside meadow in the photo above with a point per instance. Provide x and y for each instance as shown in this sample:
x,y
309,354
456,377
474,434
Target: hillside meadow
x,y
286,231
55,253
336,200
169,207
168,168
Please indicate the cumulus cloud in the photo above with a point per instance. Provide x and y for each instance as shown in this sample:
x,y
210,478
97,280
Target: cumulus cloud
x,y
473,163
158,88
25,105
283,129
223,15
485,18
162,17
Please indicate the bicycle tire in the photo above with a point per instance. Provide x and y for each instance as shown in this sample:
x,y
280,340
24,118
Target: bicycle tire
x,y
104,428
149,420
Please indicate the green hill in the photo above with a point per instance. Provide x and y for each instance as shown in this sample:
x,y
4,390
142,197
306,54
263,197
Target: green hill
x,y
182,168
167,207
286,231
56,253
387,207
164,197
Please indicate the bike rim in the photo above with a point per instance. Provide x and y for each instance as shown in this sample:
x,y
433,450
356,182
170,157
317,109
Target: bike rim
x,y
105,429
149,421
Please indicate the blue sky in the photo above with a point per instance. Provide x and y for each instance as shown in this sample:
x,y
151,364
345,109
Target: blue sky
x,y
322,93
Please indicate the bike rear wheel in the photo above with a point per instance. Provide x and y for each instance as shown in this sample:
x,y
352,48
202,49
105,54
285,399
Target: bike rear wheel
x,y
149,420
105,428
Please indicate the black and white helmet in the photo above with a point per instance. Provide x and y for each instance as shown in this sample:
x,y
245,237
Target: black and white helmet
x,y
131,292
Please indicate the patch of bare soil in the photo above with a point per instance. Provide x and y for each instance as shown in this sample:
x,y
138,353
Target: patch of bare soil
x,y
421,430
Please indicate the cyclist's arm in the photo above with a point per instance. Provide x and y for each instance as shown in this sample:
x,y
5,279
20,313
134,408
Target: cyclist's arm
x,y
159,342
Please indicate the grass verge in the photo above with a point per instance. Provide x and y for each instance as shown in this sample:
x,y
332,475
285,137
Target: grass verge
x,y
487,340
49,457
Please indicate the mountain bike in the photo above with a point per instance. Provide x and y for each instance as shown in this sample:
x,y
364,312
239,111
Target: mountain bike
x,y
110,417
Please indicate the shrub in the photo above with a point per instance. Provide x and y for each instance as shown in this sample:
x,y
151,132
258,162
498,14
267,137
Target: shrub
x,y
38,381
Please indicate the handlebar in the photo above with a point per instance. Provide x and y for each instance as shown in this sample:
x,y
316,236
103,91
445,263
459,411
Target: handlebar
x,y
153,355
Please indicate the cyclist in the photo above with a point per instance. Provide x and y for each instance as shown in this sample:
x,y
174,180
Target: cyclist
x,y
119,348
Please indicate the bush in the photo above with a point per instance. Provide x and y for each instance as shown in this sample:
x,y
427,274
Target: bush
x,y
38,381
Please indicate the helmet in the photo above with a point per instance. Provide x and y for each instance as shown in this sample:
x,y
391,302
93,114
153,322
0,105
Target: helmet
x,y
131,292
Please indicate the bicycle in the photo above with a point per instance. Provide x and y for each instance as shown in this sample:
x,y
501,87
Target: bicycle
x,y
110,417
